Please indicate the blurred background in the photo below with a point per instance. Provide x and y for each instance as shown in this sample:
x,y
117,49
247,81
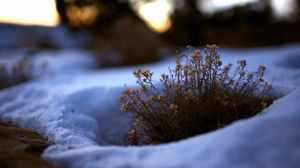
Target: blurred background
x,y
126,32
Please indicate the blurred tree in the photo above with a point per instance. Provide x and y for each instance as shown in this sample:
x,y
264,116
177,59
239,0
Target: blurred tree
x,y
297,10
243,25
249,25
120,36
107,11
186,22
246,25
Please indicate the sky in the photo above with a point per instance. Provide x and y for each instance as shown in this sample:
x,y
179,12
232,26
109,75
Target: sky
x,y
281,7
29,12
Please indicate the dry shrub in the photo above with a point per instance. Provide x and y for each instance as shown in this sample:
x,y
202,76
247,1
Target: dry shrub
x,y
196,97
17,73
10,76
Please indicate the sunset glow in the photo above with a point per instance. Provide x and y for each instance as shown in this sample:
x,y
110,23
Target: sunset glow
x,y
156,14
29,12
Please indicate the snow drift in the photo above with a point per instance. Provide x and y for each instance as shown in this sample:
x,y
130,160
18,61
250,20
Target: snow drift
x,y
81,114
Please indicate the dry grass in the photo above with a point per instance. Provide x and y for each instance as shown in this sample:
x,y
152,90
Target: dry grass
x,y
17,73
196,97
21,148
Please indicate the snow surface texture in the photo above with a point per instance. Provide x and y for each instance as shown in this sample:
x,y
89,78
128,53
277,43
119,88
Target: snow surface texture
x,y
81,114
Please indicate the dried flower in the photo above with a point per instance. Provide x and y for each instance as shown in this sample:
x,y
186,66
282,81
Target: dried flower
x,y
242,63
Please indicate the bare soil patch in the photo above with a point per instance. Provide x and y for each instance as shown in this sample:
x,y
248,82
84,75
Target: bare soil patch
x,y
21,148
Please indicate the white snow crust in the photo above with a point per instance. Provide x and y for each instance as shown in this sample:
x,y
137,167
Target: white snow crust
x,y
81,114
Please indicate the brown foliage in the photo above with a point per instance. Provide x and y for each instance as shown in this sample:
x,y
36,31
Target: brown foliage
x,y
196,97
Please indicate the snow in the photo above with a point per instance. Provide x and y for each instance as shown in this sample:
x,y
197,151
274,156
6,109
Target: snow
x,y
81,114
43,63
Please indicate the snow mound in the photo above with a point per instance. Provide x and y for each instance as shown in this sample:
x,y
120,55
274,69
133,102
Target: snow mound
x,y
81,114
271,140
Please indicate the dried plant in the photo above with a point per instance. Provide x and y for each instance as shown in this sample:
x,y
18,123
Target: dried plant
x,y
196,97
18,72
